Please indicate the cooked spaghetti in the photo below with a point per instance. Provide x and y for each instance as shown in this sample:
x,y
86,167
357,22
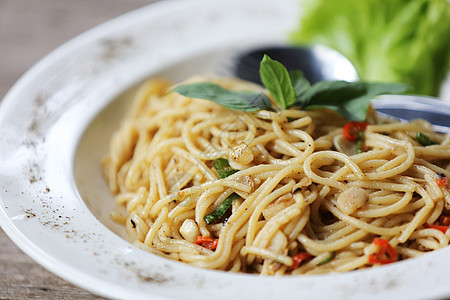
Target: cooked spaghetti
x,y
275,192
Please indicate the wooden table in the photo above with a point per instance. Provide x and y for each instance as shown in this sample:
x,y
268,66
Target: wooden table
x,y
28,31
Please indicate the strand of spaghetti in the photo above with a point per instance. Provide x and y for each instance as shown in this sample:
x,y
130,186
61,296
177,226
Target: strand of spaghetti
x,y
122,142
206,122
263,139
197,190
276,127
267,254
430,238
243,213
353,264
421,163
420,216
156,226
374,140
197,162
284,147
299,122
381,197
433,152
408,252
188,142
308,141
390,186
363,225
387,210
266,233
147,156
139,229
335,155
152,197
316,247
338,233
256,213
298,225
436,211
155,251
160,180
138,198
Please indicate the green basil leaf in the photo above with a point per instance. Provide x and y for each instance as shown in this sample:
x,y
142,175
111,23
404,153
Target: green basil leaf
x,y
276,79
237,100
299,82
350,99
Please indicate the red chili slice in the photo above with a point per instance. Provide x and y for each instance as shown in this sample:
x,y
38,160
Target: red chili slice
x,y
386,254
207,242
442,180
299,258
351,130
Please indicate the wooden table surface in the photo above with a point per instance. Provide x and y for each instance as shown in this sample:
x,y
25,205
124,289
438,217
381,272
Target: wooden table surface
x,y
28,31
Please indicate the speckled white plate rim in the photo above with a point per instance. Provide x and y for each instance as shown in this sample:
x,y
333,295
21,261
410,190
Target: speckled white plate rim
x,y
42,212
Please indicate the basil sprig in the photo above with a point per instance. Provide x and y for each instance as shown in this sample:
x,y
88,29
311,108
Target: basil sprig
x,y
244,101
277,80
292,89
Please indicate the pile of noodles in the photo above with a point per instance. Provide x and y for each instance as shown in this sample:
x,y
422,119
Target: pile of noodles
x,y
301,186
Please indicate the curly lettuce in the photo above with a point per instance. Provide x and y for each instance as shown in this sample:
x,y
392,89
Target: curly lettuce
x,y
405,41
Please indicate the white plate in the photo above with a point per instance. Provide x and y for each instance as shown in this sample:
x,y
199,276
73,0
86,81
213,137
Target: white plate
x,y
55,128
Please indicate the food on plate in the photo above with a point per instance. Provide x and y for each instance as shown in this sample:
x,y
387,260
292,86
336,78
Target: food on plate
x,y
404,41
287,179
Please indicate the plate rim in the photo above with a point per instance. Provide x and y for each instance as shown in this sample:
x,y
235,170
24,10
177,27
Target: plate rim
x,y
18,236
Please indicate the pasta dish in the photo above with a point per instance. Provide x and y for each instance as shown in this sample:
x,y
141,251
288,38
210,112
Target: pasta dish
x,y
284,191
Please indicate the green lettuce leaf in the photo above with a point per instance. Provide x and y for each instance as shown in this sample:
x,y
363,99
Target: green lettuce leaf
x,y
405,41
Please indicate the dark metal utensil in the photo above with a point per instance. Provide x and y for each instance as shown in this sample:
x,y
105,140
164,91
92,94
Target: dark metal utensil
x,y
317,63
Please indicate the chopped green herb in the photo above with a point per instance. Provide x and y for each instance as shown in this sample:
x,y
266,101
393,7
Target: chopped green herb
x,y
223,167
327,259
221,209
424,140
360,143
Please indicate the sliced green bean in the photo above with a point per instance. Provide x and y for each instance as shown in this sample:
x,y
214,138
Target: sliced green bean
x,y
424,140
223,167
218,213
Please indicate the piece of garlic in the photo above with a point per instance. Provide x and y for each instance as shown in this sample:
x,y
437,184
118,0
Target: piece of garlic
x,y
352,199
189,230
241,154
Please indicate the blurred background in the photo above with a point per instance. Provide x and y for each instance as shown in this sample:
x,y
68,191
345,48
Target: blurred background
x,y
29,30
381,38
